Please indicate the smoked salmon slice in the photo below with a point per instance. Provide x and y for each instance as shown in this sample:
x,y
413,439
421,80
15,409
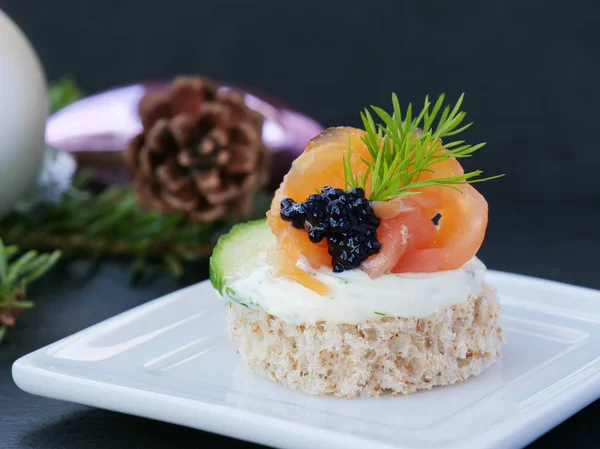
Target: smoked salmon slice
x,y
441,228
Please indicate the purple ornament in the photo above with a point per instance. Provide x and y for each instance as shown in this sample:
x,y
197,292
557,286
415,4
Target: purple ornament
x,y
98,128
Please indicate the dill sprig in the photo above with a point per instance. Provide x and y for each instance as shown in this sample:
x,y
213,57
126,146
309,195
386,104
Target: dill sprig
x,y
403,148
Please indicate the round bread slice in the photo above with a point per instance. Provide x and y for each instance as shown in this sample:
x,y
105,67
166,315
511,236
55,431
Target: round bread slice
x,y
396,355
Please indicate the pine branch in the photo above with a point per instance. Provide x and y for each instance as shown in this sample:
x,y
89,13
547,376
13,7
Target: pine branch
x,y
112,223
16,273
81,244
63,92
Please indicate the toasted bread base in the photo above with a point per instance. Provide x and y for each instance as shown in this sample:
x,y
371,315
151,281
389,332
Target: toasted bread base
x,y
397,355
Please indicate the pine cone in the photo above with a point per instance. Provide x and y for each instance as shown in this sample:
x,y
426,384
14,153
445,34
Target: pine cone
x,y
200,152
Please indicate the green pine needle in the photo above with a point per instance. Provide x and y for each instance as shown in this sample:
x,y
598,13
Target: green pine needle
x,y
16,273
399,155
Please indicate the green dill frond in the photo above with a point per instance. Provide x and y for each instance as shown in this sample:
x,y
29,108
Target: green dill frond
x,y
404,147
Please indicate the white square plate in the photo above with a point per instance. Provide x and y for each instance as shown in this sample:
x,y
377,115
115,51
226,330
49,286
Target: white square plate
x,y
170,360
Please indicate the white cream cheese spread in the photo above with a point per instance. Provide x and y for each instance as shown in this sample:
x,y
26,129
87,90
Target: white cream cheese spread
x,y
355,297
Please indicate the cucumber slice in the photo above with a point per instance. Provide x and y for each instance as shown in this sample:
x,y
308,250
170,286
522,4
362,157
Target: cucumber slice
x,y
239,252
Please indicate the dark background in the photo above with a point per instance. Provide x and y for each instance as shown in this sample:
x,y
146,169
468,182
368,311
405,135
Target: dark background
x,y
530,69
530,72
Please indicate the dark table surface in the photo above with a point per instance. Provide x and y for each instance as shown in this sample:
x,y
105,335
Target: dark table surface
x,y
559,241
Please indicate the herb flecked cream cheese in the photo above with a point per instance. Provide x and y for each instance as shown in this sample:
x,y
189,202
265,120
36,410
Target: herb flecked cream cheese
x,y
355,297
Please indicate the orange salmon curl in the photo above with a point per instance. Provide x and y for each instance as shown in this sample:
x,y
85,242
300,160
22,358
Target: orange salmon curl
x,y
439,229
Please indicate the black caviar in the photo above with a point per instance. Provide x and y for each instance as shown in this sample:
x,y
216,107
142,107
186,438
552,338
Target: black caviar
x,y
345,219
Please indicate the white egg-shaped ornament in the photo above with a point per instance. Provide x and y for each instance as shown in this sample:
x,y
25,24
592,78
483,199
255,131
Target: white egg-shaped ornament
x,y
23,114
